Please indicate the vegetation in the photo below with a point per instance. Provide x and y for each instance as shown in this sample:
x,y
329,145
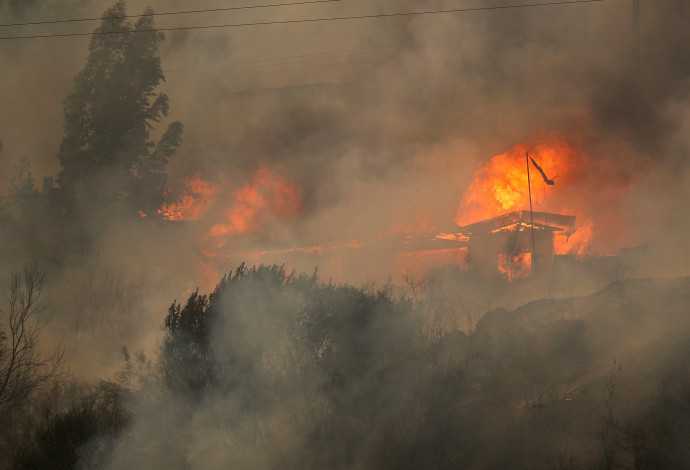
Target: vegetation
x,y
73,425
106,153
278,370
274,369
23,369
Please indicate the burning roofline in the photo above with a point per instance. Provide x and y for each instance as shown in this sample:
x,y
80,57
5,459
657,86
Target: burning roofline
x,y
539,220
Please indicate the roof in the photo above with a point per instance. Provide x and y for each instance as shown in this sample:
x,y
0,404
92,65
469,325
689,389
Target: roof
x,y
542,220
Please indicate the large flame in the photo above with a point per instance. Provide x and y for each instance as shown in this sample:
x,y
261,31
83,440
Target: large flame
x,y
500,186
267,195
231,212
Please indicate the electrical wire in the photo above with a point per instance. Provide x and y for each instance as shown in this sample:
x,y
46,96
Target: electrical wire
x,y
170,13
306,20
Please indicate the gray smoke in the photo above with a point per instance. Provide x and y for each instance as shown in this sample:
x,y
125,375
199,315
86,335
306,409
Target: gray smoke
x,y
380,123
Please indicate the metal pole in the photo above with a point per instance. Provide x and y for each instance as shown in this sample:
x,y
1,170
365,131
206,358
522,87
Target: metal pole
x,y
531,214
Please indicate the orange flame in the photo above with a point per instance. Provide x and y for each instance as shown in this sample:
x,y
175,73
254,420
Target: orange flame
x,y
198,197
500,186
267,195
515,266
579,243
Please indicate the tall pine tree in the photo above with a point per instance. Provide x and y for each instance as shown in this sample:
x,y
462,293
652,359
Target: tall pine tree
x,y
106,153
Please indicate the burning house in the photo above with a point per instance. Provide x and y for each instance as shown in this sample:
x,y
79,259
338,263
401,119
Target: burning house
x,y
516,244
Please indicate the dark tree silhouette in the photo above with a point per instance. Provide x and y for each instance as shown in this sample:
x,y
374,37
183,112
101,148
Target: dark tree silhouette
x,y
264,335
74,426
23,368
106,153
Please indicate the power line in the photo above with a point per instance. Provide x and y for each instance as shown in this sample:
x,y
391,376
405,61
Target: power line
x,y
170,13
308,20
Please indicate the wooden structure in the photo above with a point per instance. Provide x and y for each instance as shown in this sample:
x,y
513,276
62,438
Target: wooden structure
x,y
507,242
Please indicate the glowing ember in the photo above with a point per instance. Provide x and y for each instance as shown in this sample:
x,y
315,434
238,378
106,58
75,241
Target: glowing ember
x,y
458,237
198,197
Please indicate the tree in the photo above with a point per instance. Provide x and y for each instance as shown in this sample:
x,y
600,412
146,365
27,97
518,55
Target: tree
x,y
339,358
257,311
23,368
106,153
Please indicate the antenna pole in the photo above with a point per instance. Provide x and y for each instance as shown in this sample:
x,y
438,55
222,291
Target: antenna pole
x,y
531,214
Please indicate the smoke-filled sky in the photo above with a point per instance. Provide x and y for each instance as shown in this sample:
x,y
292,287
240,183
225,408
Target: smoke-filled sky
x,y
380,124
331,144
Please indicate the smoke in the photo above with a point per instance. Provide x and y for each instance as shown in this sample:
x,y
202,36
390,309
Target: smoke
x,y
380,125
380,99
375,129
310,375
